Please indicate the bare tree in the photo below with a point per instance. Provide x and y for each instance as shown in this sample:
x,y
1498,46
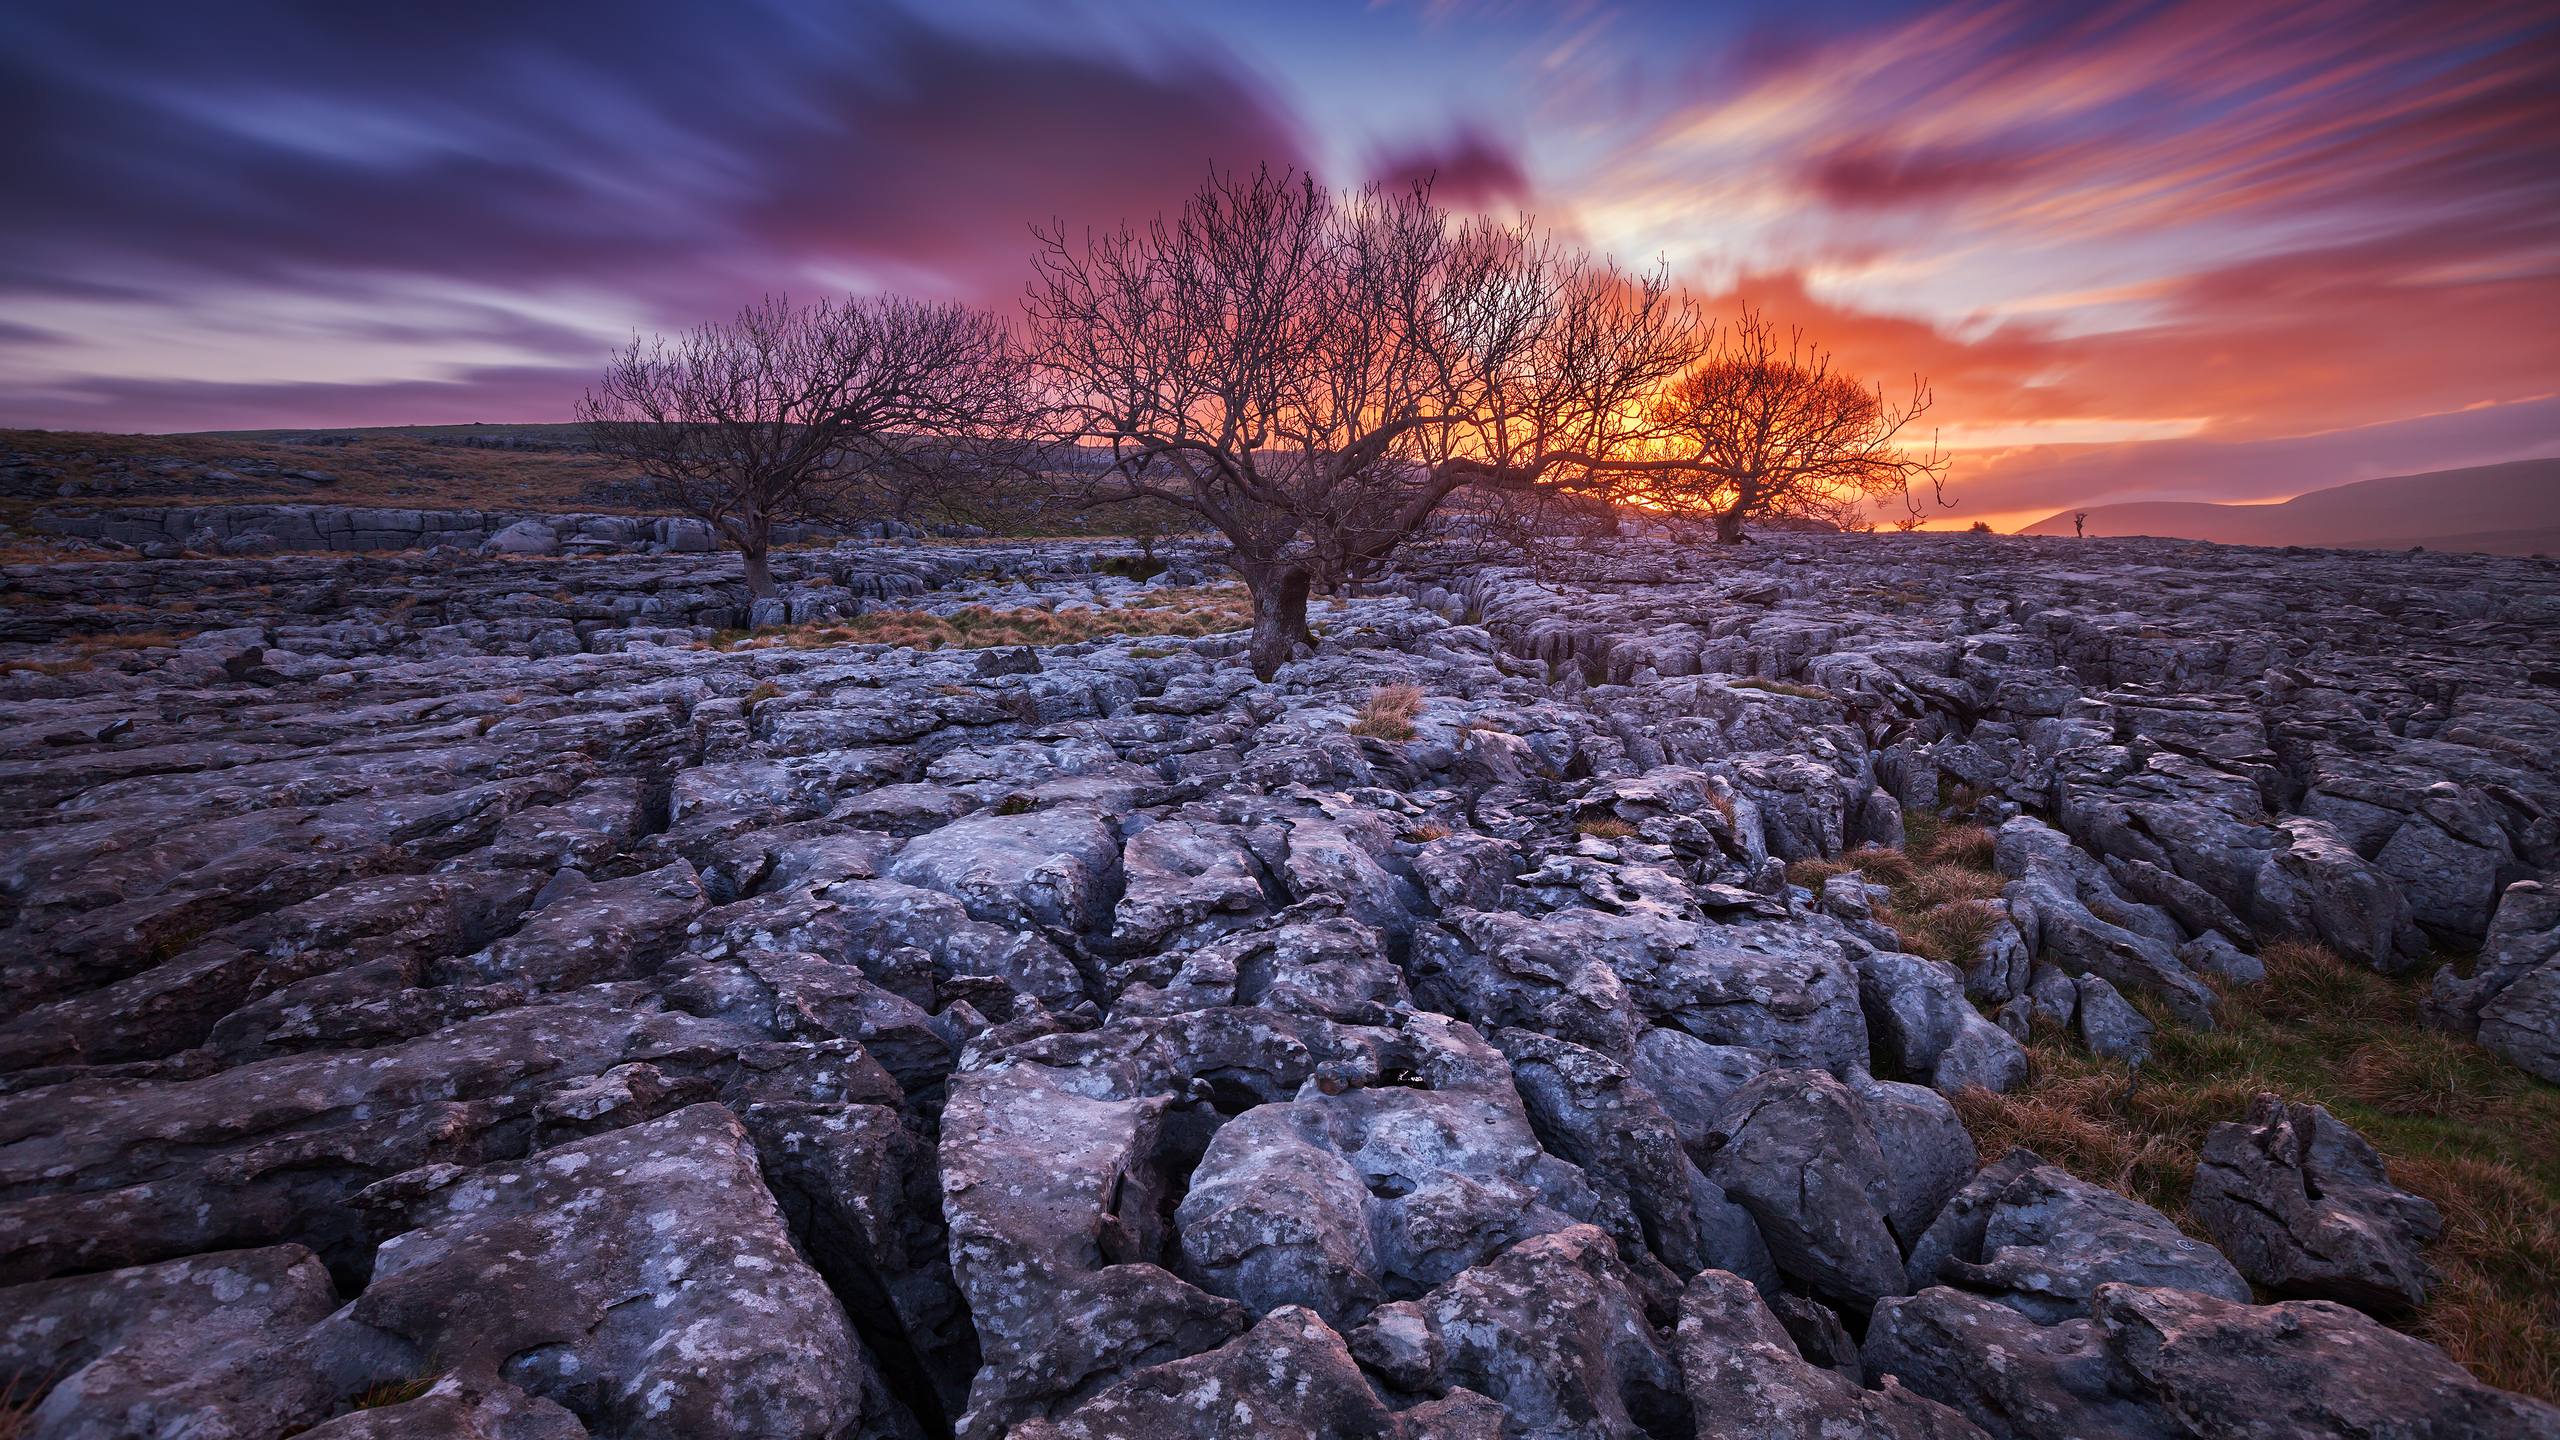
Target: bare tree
x,y
1766,426
1314,375
2080,524
778,415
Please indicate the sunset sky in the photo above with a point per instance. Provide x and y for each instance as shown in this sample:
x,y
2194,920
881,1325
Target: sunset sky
x,y
2209,251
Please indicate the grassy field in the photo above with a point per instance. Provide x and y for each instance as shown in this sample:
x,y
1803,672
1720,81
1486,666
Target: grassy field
x,y
416,467
2454,1123
434,467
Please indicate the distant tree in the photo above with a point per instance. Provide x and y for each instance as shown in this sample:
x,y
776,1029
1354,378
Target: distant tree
x,y
787,413
1908,523
1765,425
2080,524
1979,527
1314,374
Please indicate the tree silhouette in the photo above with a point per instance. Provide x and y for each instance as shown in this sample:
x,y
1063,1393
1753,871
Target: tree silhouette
x,y
1314,374
778,415
1765,425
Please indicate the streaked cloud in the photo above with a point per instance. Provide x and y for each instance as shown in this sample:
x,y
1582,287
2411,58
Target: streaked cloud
x,y
2120,240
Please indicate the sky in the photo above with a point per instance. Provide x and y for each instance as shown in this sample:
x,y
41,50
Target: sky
x,y
2220,250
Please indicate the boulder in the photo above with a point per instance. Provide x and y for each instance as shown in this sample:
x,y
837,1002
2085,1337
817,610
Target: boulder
x,y
2218,1368
2108,1023
1047,868
1553,1333
1744,1377
2316,885
2300,1203
2049,1240
1053,1199
1793,1148
524,537
1288,1378
642,1279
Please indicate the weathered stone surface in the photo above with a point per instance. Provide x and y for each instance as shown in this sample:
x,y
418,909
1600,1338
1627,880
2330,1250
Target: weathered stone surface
x,y
1052,1199
2049,1240
2300,1203
1798,1154
1289,1377
186,1346
1745,1377
1069,1034
1046,868
642,1279
2007,1374
2511,999
2109,1025
1552,1332
2307,1367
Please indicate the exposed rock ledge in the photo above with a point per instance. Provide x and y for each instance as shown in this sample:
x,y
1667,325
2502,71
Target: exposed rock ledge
x,y
447,1001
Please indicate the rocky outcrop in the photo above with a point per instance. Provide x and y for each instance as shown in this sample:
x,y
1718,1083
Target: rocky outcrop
x,y
2510,1001
2171,1363
2300,1203
466,995
267,529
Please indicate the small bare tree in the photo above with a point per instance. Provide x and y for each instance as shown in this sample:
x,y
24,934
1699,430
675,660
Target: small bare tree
x,y
1314,375
778,416
1766,426
2080,524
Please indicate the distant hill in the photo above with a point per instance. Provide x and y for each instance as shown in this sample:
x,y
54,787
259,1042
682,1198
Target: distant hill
x,y
2511,509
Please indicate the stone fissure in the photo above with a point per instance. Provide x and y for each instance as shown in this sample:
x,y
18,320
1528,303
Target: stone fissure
x,y
659,1036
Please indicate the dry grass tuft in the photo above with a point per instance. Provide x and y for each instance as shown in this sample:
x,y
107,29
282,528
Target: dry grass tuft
x,y
47,667
1605,829
138,640
1940,892
40,552
18,1396
1202,610
2073,1115
1950,932
1389,713
1968,846
1428,831
1780,687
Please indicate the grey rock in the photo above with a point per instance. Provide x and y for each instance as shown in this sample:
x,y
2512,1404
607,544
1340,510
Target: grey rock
x,y
1047,868
525,537
2010,1376
530,1272
1798,1154
1052,1202
2511,999
2050,1239
1289,1377
2317,885
2300,1203
1552,1332
1745,1377
2109,1025
2218,1369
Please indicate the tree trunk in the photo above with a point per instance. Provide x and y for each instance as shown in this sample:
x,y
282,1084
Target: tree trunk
x,y
753,535
1279,619
759,573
